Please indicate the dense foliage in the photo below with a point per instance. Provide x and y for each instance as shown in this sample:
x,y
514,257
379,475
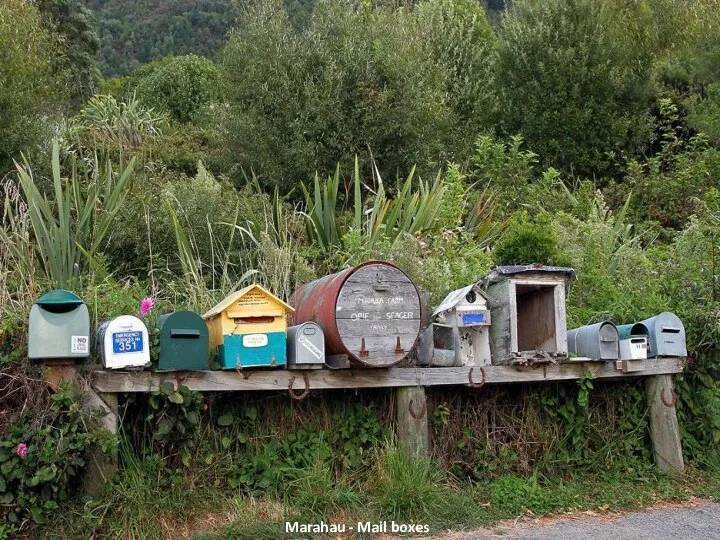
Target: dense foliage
x,y
434,134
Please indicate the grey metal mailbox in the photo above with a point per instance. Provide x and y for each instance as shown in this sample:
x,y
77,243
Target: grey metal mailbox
x,y
59,327
666,335
306,346
597,341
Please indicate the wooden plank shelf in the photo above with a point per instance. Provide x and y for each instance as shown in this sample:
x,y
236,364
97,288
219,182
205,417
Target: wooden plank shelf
x,y
325,379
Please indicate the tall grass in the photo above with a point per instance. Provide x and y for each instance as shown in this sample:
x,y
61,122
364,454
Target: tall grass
x,y
69,228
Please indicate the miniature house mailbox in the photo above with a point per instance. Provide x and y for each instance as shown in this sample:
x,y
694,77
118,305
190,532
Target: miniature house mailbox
x,y
184,342
249,329
666,335
633,341
306,346
123,342
528,311
595,341
462,324
59,327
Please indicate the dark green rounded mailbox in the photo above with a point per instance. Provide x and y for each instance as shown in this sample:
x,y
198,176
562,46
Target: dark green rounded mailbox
x,y
184,342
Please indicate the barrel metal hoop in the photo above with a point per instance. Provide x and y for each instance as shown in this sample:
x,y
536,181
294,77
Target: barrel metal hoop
x,y
420,413
473,384
301,395
665,401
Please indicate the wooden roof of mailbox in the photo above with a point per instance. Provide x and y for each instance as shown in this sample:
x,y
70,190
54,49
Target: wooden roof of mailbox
x,y
234,297
501,273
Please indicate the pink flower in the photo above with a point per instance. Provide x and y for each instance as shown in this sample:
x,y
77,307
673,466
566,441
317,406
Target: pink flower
x,y
21,449
146,305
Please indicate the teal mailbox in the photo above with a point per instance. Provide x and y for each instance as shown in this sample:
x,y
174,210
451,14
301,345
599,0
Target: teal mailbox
x,y
59,327
184,342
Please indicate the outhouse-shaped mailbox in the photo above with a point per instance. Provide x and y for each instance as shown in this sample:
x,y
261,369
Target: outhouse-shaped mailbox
x,y
184,342
249,329
462,324
666,335
124,343
59,327
595,341
633,341
306,346
527,303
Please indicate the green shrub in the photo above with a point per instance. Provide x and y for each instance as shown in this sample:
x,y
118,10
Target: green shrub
x,y
43,459
530,240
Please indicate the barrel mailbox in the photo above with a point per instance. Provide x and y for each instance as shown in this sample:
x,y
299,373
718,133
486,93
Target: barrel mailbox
x,y
184,342
371,313
597,341
633,341
666,335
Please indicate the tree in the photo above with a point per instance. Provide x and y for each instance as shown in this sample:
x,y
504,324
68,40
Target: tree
x,y
73,25
27,91
574,81
354,79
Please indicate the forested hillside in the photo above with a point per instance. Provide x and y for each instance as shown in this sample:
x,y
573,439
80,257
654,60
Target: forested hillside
x,y
134,32
288,141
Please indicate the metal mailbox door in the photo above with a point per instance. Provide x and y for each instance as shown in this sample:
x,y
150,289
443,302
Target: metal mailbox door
x,y
667,335
184,342
306,346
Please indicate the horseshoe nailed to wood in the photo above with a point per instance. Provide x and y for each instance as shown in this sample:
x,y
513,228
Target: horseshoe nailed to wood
x,y
473,384
665,401
417,415
301,395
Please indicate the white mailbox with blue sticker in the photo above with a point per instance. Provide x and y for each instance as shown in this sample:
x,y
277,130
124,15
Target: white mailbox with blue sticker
x,y
124,343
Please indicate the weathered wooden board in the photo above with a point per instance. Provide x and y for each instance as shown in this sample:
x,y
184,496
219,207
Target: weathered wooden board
x,y
412,421
220,381
377,306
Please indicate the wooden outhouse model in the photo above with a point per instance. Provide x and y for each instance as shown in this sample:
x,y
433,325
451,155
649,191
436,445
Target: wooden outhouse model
x,y
249,329
527,303
462,325
369,314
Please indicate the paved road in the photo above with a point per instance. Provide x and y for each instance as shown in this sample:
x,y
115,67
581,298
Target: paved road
x,y
701,522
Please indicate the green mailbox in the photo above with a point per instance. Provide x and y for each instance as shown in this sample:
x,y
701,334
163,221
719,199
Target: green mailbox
x,y
59,327
184,342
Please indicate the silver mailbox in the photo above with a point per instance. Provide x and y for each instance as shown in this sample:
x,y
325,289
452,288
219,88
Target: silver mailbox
x,y
597,341
306,346
666,335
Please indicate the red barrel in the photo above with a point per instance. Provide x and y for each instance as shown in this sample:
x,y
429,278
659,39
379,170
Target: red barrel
x,y
371,313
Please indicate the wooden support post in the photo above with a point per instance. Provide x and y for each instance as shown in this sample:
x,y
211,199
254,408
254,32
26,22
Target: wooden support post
x,y
664,428
412,422
102,466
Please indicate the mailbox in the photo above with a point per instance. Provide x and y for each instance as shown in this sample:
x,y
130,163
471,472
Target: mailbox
x,y
249,329
184,342
124,343
306,346
633,341
462,325
596,341
666,335
59,327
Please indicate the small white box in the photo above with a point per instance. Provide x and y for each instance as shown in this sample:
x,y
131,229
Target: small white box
x,y
634,348
123,343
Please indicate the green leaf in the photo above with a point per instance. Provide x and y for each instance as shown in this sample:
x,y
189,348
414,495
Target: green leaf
x,y
165,426
226,420
185,457
193,417
225,441
167,388
176,398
